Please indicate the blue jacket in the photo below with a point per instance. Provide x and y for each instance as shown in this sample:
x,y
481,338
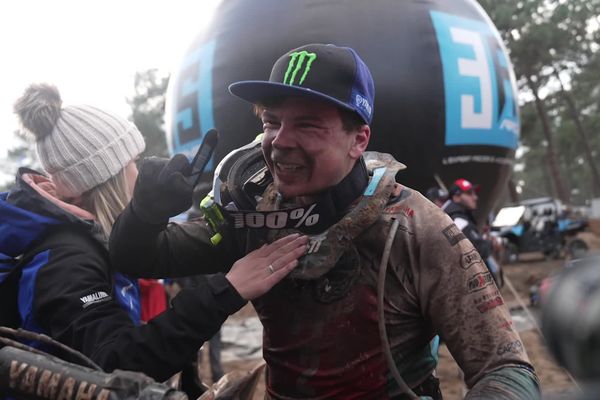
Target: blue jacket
x,y
67,290
24,230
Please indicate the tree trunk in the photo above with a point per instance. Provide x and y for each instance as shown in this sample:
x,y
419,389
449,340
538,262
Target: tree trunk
x,y
513,195
550,189
551,154
584,136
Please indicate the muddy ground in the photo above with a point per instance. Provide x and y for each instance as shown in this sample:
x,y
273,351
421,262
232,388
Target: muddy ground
x,y
530,269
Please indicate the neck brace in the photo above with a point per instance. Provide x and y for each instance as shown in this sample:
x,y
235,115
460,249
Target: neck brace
x,y
329,207
252,201
327,247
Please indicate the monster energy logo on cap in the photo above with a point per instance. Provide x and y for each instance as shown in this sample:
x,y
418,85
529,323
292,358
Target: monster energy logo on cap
x,y
325,72
298,60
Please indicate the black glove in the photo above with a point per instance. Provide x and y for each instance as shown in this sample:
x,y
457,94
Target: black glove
x,y
162,189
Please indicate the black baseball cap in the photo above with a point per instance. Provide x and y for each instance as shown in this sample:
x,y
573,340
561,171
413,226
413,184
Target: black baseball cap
x,y
436,193
324,71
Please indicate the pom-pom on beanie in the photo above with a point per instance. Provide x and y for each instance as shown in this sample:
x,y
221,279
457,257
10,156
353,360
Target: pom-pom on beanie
x,y
79,146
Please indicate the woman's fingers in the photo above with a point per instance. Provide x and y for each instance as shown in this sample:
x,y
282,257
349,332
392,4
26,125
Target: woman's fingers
x,y
281,273
257,272
289,253
281,247
287,261
267,249
281,243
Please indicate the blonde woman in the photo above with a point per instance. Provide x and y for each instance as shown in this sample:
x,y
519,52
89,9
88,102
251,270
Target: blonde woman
x,y
58,224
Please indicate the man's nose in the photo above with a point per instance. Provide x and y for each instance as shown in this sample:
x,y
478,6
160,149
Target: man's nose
x,y
284,137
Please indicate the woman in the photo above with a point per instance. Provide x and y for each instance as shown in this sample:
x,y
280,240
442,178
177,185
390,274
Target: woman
x,y
60,223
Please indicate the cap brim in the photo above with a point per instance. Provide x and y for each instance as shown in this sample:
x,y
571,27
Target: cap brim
x,y
257,92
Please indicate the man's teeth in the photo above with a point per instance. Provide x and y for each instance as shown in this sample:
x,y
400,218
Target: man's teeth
x,y
288,167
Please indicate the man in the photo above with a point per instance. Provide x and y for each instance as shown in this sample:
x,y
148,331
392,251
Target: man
x,y
321,337
460,207
437,196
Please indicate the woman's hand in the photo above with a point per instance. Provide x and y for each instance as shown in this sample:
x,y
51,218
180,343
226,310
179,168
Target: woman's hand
x,y
162,189
257,272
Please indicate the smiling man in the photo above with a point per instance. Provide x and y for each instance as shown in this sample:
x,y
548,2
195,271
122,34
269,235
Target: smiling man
x,y
307,148
329,332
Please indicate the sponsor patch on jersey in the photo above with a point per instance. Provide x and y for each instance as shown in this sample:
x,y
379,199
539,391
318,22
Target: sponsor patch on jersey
x,y
453,234
490,304
94,298
479,281
486,297
315,241
470,258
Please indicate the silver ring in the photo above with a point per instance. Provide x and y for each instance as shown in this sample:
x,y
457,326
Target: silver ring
x,y
270,268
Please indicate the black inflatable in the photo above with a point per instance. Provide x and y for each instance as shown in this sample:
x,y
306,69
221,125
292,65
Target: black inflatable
x,y
445,91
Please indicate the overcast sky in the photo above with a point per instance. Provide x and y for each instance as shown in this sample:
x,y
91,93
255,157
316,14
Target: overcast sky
x,y
90,49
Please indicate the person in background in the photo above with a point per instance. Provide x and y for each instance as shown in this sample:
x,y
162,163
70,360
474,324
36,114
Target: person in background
x,y
437,196
57,224
461,204
356,319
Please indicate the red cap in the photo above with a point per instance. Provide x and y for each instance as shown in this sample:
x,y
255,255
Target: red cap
x,y
462,186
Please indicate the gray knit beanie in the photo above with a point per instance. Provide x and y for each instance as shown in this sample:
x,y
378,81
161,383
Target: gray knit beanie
x,y
79,146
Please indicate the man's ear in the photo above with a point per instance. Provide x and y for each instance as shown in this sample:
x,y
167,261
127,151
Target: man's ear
x,y
361,141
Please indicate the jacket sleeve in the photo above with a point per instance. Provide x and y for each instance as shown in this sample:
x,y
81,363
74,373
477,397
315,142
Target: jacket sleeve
x,y
457,294
145,250
97,326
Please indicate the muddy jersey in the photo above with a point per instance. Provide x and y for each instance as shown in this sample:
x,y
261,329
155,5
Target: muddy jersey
x,y
321,337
